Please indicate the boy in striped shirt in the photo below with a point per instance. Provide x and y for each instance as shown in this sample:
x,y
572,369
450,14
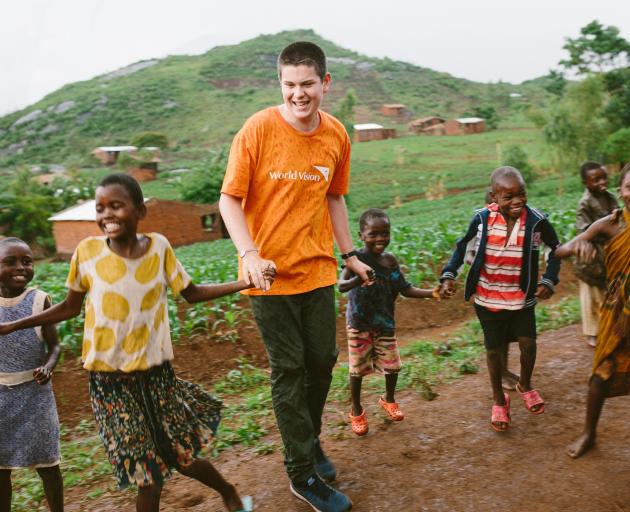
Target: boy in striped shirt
x,y
505,238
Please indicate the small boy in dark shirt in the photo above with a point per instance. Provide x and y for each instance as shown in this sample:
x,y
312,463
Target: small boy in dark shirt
x,y
597,202
370,316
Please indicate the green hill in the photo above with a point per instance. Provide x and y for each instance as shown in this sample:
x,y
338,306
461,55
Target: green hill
x,y
200,101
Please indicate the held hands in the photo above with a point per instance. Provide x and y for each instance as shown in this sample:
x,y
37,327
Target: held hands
x,y
42,375
542,292
584,251
363,271
258,272
447,289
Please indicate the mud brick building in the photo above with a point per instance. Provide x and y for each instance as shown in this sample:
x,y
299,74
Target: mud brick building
x,y
464,126
394,110
181,222
372,131
420,126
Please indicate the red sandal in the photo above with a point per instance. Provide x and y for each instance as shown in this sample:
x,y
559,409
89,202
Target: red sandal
x,y
392,409
359,424
501,414
532,399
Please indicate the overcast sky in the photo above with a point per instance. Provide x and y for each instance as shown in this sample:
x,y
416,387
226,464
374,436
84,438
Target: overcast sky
x,y
47,43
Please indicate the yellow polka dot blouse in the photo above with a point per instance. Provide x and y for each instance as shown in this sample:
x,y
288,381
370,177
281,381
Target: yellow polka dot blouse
x,y
126,320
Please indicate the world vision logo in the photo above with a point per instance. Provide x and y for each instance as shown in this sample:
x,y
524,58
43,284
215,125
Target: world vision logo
x,y
323,170
300,175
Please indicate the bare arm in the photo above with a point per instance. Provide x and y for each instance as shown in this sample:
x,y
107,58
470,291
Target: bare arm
x,y
51,338
253,265
420,293
205,292
66,309
348,280
581,246
339,218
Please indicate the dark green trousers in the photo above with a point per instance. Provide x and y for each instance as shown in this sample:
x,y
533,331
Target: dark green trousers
x,y
299,335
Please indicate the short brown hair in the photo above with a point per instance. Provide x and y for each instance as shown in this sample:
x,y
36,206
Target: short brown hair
x,y
303,53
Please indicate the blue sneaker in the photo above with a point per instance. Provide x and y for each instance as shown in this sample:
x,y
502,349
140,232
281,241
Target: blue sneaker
x,y
323,465
320,496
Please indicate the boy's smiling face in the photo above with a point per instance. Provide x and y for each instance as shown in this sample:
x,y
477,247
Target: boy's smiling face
x,y
596,180
302,92
510,195
16,268
375,234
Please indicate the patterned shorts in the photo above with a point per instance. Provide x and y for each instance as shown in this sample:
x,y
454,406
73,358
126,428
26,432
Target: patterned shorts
x,y
151,422
370,351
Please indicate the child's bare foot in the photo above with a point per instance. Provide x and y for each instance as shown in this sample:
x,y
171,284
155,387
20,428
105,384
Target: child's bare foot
x,y
509,380
591,341
581,445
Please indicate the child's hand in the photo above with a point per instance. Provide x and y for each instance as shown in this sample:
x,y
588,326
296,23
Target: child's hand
x,y
584,251
269,273
363,271
42,375
447,289
543,292
254,268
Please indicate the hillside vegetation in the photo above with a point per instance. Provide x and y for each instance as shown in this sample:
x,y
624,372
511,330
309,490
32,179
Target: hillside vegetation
x,y
200,101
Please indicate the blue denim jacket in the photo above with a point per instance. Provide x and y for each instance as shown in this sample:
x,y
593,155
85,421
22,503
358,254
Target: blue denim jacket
x,y
537,230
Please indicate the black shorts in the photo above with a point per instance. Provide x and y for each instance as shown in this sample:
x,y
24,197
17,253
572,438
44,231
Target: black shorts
x,y
500,327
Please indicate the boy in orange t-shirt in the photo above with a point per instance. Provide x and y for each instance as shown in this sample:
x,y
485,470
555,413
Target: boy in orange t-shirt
x,y
282,202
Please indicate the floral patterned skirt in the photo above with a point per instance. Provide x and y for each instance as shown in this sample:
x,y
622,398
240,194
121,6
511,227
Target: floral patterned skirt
x,y
151,422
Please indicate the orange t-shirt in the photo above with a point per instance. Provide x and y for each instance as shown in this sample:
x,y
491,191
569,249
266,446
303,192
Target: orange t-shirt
x,y
283,176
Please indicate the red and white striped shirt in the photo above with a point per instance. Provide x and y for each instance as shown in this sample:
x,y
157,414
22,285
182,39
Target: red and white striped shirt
x,y
499,281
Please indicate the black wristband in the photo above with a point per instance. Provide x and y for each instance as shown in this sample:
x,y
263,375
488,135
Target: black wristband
x,y
349,254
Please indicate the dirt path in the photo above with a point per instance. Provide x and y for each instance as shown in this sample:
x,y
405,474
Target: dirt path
x,y
445,457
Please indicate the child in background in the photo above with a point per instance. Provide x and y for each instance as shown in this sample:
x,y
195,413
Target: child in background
x,y
597,202
29,426
150,421
370,317
611,363
503,280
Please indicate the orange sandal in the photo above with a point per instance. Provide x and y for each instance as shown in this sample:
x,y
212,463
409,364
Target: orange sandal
x,y
392,409
359,423
501,414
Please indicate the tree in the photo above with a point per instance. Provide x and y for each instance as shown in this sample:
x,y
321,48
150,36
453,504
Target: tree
x,y
576,127
555,83
586,113
597,49
345,111
617,147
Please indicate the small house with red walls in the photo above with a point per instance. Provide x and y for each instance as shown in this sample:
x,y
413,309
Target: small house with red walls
x,y
464,126
394,110
420,126
108,155
181,222
372,131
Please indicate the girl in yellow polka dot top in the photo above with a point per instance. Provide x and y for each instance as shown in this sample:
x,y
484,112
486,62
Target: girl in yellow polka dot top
x,y
150,421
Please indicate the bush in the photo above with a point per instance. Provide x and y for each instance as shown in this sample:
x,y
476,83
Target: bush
x,y
203,183
516,157
150,139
